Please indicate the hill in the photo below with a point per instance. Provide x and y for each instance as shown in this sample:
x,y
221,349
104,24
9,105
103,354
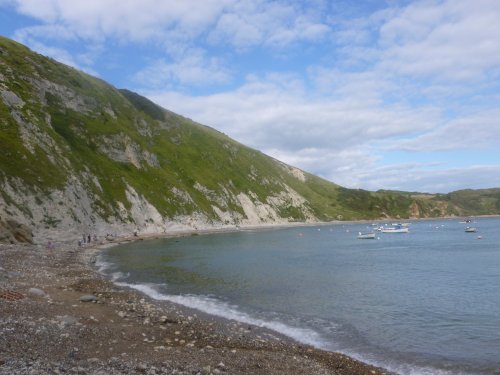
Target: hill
x,y
80,156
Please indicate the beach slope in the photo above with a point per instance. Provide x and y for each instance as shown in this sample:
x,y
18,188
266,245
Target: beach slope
x,y
59,315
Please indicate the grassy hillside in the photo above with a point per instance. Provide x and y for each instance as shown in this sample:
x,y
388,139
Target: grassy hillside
x,y
74,142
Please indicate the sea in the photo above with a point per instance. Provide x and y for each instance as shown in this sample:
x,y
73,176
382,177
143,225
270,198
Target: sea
x,y
422,302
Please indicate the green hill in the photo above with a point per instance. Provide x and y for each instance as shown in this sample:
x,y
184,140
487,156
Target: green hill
x,y
79,156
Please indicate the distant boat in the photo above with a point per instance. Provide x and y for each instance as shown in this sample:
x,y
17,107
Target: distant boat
x,y
366,236
470,230
466,221
395,230
400,224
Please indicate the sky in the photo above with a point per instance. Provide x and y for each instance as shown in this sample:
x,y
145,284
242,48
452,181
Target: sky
x,y
370,94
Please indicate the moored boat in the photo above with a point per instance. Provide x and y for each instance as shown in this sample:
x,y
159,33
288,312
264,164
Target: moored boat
x,y
366,236
396,225
470,230
395,230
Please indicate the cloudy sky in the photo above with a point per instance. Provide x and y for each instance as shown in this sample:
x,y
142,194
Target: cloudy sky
x,y
371,94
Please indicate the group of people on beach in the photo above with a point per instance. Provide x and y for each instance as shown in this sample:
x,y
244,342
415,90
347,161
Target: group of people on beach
x,y
86,239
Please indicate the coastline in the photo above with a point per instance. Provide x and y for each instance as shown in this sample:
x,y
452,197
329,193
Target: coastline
x,y
50,330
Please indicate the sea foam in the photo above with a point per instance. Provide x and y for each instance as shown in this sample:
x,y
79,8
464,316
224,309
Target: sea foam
x,y
222,309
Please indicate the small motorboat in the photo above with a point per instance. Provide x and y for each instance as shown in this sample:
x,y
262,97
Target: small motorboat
x,y
470,230
395,230
366,236
397,225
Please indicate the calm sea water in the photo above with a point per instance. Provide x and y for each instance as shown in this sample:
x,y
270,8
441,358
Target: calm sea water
x,y
426,302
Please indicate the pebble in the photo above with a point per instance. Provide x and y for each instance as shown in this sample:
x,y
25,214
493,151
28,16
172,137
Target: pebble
x,y
36,292
88,298
66,320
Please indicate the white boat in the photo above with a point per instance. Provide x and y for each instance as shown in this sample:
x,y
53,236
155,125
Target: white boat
x,y
395,230
400,224
470,230
366,236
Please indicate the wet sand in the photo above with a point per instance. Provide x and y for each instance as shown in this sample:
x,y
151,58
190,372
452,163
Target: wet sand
x,y
45,328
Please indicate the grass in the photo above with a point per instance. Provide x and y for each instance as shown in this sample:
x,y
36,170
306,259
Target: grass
x,y
189,154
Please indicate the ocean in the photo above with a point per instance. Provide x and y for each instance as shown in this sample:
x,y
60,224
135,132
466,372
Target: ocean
x,y
423,302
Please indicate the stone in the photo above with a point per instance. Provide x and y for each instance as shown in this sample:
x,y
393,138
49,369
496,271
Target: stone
x,y
141,367
88,298
67,320
36,292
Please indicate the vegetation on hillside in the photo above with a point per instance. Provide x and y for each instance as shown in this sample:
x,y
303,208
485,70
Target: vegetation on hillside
x,y
58,124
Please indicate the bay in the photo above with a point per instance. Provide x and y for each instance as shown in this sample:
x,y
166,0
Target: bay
x,y
424,302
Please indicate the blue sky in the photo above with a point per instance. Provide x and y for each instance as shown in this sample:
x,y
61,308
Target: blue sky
x,y
369,94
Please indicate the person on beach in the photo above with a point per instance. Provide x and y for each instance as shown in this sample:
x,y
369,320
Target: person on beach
x,y
88,238
80,244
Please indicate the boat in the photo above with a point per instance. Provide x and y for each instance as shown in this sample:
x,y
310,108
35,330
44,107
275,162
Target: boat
x,y
366,236
395,230
470,230
400,224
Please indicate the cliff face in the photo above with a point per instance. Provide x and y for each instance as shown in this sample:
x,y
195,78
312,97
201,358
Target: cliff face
x,y
79,156
13,232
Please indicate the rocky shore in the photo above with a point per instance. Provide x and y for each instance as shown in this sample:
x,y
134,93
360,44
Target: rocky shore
x,y
59,316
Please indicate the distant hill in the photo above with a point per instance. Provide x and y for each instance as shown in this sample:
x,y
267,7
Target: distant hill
x,y
79,156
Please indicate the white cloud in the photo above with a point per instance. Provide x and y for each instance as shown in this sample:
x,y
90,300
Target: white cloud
x,y
132,20
247,23
415,177
477,131
193,69
46,32
443,40
240,22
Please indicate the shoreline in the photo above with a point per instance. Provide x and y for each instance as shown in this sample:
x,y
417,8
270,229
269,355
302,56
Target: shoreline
x,y
139,332
123,331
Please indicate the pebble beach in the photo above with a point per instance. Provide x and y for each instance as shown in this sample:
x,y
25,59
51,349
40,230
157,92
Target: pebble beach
x,y
58,315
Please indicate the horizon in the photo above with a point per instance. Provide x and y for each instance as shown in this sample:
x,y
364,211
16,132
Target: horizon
x,y
391,95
